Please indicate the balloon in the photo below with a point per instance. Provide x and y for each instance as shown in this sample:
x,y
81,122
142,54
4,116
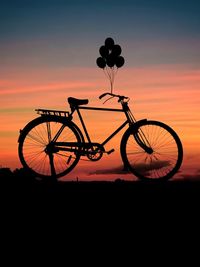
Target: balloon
x,y
116,50
119,62
110,55
109,42
101,62
110,61
104,51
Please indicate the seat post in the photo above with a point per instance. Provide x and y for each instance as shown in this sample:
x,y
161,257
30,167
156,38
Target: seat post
x,y
73,108
83,124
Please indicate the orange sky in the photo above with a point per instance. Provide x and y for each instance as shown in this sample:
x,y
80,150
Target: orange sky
x,y
169,93
48,51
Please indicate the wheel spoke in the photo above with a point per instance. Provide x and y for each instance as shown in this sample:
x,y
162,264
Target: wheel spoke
x,y
165,158
37,155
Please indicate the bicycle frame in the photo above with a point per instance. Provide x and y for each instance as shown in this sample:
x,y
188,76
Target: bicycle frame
x,y
64,146
125,109
140,137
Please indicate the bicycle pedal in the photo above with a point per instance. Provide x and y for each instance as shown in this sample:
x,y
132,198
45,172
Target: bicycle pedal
x,y
68,161
110,151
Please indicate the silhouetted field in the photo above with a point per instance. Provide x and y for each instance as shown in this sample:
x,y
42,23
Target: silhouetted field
x,y
18,185
81,204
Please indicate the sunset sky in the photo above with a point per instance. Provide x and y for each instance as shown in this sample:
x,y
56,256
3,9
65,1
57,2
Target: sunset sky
x,y
48,52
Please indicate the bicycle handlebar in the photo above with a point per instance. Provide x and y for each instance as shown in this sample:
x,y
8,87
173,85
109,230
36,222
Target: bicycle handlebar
x,y
121,97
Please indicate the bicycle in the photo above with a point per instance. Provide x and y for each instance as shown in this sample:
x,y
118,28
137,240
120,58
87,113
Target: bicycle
x,y
51,145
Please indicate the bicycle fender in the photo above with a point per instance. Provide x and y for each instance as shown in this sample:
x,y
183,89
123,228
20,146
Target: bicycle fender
x,y
21,132
134,127
137,124
78,131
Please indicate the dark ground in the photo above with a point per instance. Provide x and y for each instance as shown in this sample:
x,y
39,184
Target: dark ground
x,y
175,194
21,194
87,214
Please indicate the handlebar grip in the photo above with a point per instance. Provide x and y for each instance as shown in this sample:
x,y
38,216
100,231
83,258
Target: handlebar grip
x,y
101,96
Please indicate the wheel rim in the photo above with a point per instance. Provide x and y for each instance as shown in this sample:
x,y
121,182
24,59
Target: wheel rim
x,y
163,162
35,146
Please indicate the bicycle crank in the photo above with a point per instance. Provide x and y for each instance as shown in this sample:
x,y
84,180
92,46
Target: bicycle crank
x,y
95,152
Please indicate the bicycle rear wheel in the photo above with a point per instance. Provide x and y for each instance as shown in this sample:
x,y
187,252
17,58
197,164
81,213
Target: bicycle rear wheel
x,y
34,141
162,157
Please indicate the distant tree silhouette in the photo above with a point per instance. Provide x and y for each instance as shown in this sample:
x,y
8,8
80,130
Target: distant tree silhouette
x,y
18,175
20,172
5,172
23,175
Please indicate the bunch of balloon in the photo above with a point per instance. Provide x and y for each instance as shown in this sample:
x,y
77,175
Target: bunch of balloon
x,y
110,60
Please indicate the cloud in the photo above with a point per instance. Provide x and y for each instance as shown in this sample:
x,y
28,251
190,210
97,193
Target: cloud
x,y
194,176
17,89
191,177
115,170
155,165
143,168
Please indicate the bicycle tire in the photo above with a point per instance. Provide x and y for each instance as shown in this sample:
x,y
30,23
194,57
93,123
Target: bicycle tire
x,y
167,151
33,141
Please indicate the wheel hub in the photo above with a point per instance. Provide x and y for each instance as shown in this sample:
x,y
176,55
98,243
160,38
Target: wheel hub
x,y
50,148
149,150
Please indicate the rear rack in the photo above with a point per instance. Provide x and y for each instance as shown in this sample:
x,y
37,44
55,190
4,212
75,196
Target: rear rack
x,y
47,112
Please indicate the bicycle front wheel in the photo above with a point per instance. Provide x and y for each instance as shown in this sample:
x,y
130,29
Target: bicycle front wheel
x,y
33,147
152,151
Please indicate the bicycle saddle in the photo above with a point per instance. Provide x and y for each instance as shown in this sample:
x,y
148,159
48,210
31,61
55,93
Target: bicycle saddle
x,y
76,102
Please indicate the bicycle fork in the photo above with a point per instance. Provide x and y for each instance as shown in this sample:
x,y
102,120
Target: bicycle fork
x,y
142,141
139,135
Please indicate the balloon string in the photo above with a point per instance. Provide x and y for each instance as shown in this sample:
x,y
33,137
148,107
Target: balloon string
x,y
112,80
110,74
106,72
114,72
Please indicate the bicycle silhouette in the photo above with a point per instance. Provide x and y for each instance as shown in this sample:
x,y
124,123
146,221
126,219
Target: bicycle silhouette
x,y
51,145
